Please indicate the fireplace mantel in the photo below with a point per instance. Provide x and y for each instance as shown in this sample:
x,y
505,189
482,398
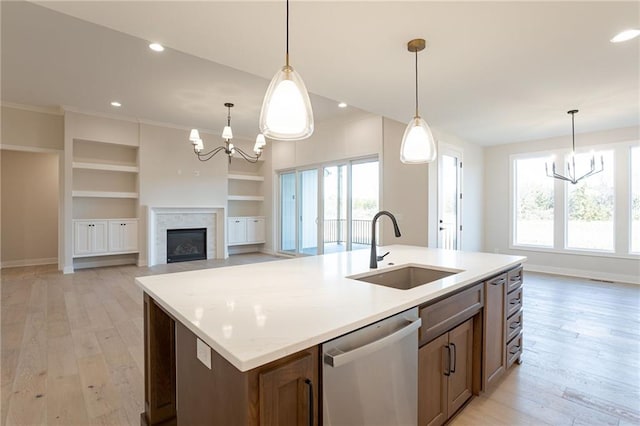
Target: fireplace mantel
x,y
161,218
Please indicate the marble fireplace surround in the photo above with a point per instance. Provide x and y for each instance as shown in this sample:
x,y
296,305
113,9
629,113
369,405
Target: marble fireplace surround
x,y
163,218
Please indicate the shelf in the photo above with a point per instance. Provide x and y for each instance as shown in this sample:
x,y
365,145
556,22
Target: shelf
x,y
245,177
105,194
105,166
106,253
248,243
245,198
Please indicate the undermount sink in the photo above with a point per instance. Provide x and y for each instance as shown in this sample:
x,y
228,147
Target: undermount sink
x,y
406,277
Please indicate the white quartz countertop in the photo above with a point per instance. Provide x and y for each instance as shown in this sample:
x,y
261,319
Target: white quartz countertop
x,y
257,313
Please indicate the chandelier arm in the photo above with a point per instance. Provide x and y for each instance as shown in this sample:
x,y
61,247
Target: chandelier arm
x,y
209,155
248,157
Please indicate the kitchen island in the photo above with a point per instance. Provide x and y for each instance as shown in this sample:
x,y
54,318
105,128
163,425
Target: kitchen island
x,y
258,315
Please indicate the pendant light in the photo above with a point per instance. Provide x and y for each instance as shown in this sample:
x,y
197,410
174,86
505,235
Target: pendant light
x,y
286,110
571,164
418,145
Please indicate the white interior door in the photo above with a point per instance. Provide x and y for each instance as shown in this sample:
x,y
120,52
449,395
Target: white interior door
x,y
449,198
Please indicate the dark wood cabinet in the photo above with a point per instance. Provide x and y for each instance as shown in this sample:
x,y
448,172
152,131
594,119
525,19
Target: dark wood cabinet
x,y
494,362
180,389
514,321
445,375
287,393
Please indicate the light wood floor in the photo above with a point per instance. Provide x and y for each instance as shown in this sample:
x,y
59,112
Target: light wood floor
x,y
71,350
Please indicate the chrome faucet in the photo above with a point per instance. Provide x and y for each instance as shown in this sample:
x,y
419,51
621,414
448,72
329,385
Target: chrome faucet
x,y
373,264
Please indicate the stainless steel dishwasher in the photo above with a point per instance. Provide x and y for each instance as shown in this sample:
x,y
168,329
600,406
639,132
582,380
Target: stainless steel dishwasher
x,y
370,376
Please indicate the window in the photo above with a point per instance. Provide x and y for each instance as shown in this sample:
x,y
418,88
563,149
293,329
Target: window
x,y
328,208
635,199
600,215
590,207
533,203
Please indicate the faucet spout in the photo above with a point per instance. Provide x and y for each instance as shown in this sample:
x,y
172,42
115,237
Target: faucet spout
x,y
373,263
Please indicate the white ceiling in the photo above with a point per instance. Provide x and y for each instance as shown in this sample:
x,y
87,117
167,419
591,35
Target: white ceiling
x,y
493,72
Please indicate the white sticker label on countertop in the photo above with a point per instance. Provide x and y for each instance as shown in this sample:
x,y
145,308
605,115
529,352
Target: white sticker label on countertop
x,y
203,353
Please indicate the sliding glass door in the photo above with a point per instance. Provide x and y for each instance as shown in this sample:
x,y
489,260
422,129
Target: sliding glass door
x,y
328,208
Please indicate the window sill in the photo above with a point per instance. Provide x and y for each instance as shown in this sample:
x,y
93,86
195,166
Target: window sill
x,y
610,254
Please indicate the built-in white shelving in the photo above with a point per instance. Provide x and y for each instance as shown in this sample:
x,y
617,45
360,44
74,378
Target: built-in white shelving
x,y
105,167
245,198
254,178
104,194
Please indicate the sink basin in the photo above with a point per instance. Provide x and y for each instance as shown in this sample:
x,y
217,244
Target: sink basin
x,y
406,277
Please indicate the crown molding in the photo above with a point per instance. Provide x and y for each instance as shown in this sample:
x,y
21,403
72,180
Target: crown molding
x,y
44,110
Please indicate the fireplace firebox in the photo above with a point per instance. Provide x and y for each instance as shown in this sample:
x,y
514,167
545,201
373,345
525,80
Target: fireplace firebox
x,y
186,244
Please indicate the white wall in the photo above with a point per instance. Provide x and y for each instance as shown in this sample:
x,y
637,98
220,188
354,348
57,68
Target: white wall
x,y
29,208
32,129
172,176
29,130
497,210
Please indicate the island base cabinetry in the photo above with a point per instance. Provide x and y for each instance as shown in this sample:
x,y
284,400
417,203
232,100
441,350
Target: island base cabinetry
x,y
445,367
283,392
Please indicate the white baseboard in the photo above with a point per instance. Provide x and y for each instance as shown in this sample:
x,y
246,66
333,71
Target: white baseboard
x,y
29,262
104,262
604,276
68,270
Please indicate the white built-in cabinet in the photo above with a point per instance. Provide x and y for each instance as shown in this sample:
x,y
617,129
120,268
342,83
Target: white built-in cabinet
x,y
123,235
89,237
104,190
245,230
245,223
104,237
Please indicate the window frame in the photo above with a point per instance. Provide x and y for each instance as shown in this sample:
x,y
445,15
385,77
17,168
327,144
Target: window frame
x,y
622,214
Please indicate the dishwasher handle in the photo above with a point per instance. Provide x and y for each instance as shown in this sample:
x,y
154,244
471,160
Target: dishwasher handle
x,y
369,348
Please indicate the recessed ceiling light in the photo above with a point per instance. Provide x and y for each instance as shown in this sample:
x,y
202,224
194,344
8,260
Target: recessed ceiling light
x,y
342,104
116,104
625,36
156,47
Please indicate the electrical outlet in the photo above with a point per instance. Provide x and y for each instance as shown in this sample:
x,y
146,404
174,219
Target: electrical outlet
x,y
196,172
203,352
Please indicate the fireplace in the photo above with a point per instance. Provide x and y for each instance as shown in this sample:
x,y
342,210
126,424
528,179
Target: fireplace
x,y
186,244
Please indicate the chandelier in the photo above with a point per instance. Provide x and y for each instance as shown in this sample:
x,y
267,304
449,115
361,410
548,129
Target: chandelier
x,y
228,148
571,163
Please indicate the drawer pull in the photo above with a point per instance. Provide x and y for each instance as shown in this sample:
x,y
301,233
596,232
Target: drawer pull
x,y
514,325
448,372
453,369
514,301
514,350
498,282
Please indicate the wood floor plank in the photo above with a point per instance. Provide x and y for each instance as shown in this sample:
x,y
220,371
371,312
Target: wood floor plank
x,y
76,340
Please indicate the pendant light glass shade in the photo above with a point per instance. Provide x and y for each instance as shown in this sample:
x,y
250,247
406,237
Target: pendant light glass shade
x,y
418,145
227,133
286,111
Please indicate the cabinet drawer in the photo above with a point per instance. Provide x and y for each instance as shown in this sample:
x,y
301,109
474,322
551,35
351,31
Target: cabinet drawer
x,y
514,279
514,350
514,302
499,280
514,325
442,316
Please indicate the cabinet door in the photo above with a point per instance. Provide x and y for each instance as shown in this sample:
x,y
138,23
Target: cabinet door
x,y
115,236
433,364
494,329
286,395
237,230
130,235
460,379
99,237
255,229
82,232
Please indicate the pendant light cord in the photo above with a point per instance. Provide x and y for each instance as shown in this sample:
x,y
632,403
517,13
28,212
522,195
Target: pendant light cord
x,y
416,52
573,133
287,51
